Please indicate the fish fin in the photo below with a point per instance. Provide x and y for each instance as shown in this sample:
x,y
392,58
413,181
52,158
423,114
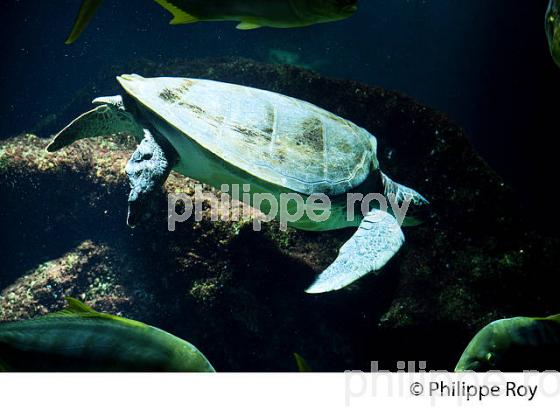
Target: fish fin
x,y
377,240
302,365
244,25
80,309
85,14
77,306
180,16
554,318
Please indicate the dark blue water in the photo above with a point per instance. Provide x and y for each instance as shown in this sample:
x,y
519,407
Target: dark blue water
x,y
484,62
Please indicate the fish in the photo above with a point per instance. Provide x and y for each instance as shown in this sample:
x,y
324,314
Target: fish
x,y
552,28
79,338
250,14
514,345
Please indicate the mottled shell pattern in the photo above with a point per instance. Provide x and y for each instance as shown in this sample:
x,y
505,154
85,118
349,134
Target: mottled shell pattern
x,y
279,139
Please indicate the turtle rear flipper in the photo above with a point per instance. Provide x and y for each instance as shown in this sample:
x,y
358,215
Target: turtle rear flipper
x,y
409,206
377,239
106,119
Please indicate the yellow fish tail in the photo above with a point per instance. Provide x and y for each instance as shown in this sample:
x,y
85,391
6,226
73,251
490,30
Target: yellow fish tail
x,y
180,16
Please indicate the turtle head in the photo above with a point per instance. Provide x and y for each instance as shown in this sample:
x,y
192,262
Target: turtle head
x,y
147,170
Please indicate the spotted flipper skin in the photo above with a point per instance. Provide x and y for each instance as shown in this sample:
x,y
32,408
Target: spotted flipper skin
x,y
102,120
377,240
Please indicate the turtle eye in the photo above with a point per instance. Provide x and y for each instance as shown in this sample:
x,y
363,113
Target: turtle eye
x,y
146,156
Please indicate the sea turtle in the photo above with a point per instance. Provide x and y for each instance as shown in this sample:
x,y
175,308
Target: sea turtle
x,y
226,134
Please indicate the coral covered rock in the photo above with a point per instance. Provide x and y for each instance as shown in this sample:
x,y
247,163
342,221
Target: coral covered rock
x,y
237,293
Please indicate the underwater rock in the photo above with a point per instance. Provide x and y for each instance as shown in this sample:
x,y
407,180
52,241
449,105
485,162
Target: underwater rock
x,y
238,294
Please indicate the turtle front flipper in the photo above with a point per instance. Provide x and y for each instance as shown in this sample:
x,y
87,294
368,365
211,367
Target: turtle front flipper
x,y
106,119
377,240
147,170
